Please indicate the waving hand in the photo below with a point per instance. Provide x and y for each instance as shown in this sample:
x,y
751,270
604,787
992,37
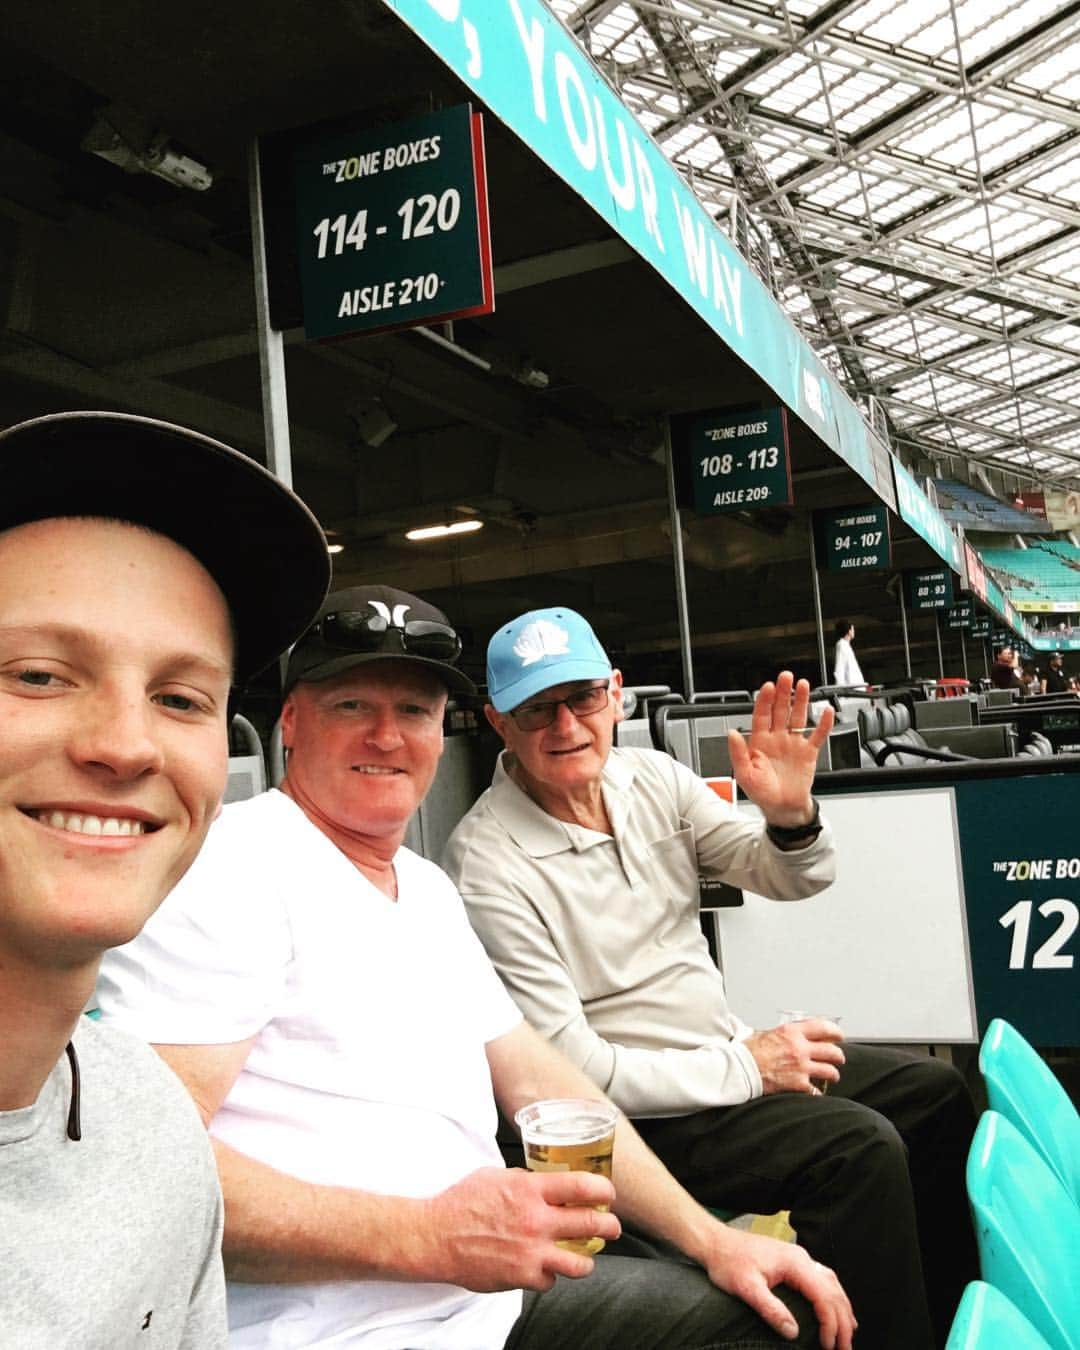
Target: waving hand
x,y
775,768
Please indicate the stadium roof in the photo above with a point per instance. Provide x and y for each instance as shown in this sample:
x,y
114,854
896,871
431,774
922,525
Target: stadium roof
x,y
905,175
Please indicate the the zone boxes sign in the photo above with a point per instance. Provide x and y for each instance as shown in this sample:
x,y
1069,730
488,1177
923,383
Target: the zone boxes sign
x,y
392,225
733,461
852,537
932,589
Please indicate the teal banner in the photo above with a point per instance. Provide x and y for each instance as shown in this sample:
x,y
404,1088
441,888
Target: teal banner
x,y
1021,862
531,73
1056,642
917,510
959,615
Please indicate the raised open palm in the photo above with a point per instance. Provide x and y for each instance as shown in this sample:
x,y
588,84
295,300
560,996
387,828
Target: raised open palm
x,y
775,768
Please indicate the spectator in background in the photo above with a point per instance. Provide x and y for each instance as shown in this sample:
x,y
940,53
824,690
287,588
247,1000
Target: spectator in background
x,y
1030,679
1055,681
845,665
1005,673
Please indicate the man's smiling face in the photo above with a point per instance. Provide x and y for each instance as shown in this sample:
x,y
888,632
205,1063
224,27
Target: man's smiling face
x,y
569,754
115,663
364,746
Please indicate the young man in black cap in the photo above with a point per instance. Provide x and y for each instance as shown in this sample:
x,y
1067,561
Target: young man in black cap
x,y
318,988
140,570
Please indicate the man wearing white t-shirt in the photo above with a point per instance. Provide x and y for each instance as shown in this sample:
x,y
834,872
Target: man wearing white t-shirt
x,y
317,987
846,670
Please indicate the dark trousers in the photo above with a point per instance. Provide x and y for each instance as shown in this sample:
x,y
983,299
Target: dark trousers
x,y
873,1174
646,1298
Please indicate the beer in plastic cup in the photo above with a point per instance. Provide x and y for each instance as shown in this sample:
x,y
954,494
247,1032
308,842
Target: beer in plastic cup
x,y
569,1134
798,1015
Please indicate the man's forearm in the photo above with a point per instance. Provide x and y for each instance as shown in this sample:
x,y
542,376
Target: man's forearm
x,y
281,1230
525,1067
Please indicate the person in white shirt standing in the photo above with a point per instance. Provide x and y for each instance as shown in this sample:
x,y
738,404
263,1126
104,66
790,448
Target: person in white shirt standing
x,y
846,670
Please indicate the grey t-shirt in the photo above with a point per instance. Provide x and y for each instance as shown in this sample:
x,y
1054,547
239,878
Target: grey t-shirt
x,y
112,1242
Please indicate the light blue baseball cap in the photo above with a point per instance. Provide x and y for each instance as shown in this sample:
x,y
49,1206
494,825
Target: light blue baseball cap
x,y
539,649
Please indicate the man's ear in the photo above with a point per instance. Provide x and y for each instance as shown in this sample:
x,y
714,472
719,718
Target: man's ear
x,y
288,722
616,694
496,720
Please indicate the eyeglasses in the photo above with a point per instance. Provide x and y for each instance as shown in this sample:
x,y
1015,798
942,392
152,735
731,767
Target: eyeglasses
x,y
366,631
583,703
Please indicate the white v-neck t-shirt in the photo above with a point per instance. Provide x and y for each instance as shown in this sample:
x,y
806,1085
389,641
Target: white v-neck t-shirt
x,y
368,1068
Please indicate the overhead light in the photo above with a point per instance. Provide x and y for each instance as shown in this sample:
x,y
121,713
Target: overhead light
x,y
335,548
441,531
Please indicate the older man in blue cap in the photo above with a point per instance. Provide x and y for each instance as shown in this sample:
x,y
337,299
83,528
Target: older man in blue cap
x,y
580,868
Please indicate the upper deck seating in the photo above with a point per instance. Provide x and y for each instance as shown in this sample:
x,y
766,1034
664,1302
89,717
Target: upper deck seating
x,y
1048,570
975,510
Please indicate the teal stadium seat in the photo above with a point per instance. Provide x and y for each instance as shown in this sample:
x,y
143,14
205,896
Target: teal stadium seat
x,y
1021,1087
1028,1230
986,1320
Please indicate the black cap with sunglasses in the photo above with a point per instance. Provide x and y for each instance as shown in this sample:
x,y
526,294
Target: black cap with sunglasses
x,y
377,623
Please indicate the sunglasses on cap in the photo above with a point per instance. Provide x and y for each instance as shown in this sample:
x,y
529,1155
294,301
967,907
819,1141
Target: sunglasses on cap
x,y
366,631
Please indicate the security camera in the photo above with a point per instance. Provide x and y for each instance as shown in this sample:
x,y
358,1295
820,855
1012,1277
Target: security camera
x,y
182,170
122,141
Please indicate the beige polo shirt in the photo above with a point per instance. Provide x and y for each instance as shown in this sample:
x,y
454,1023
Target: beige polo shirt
x,y
598,938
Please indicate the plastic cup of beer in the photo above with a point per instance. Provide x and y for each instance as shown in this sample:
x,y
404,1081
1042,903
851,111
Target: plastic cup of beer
x,y
799,1015
569,1134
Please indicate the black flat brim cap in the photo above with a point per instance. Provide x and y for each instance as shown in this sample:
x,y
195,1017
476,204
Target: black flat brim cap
x,y
313,661
255,537
337,663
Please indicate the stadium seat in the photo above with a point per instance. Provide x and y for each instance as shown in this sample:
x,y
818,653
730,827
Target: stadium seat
x,y
247,765
986,1320
951,687
1027,1229
891,741
1021,1087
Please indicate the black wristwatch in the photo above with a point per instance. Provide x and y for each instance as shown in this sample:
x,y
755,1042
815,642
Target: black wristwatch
x,y
795,834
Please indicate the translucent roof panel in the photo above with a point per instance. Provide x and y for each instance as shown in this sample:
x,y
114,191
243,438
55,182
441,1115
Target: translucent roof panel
x,y
916,192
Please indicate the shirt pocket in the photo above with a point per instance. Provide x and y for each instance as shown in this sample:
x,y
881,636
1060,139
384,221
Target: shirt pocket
x,y
673,864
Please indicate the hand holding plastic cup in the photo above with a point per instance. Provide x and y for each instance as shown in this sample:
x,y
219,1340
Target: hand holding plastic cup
x,y
821,1085
569,1134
